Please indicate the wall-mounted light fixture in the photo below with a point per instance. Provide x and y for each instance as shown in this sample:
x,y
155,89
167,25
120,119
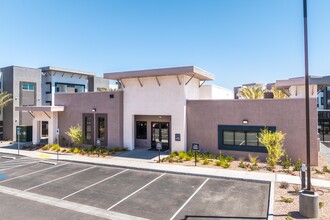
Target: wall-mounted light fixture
x,y
94,109
245,121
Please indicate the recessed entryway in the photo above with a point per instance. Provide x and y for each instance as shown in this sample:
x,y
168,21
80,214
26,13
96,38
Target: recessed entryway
x,y
150,129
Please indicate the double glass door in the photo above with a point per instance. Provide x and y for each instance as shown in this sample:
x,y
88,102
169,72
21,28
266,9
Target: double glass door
x,y
160,133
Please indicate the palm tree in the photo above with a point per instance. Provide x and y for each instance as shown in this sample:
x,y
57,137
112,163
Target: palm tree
x,y
278,94
251,92
5,99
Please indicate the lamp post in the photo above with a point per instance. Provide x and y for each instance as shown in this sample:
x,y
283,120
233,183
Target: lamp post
x,y
308,200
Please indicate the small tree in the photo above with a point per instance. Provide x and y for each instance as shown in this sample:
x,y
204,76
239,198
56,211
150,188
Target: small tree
x,y
252,92
278,94
274,142
76,135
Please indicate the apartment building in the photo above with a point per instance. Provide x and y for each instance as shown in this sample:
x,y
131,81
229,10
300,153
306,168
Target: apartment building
x,y
37,87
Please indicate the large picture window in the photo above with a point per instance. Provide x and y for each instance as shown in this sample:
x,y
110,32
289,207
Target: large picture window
x,y
69,88
141,130
241,138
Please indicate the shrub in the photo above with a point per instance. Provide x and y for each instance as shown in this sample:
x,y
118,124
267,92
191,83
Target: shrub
x,y
254,160
76,135
287,162
46,147
326,169
55,147
297,165
187,157
321,204
284,185
63,150
206,161
173,154
76,150
230,158
222,162
242,164
319,171
70,150
181,155
285,199
273,142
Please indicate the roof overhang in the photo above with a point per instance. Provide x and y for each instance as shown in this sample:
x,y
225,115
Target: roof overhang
x,y
300,81
40,108
62,70
191,71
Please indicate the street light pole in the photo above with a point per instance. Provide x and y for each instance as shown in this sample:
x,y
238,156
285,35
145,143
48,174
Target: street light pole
x,y
308,147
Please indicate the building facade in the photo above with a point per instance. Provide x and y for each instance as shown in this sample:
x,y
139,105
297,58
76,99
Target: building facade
x,y
37,87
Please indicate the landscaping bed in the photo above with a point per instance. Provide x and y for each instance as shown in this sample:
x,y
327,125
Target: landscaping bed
x,y
90,151
286,205
322,171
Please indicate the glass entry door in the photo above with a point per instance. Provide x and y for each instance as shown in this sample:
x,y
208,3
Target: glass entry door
x,y
160,133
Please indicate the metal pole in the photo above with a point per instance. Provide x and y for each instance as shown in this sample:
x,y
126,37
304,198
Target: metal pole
x,y
18,143
307,98
158,155
195,158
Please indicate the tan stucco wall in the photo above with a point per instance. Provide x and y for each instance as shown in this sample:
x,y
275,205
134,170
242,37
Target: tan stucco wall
x,y
288,115
76,104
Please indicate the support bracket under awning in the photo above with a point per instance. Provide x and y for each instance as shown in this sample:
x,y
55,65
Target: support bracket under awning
x,y
190,79
31,114
47,115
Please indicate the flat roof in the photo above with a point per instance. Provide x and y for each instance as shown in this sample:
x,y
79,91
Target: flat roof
x,y
40,108
50,68
297,81
185,70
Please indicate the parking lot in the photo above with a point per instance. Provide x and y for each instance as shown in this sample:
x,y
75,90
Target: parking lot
x,y
130,192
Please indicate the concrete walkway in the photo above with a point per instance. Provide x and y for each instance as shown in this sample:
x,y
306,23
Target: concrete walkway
x,y
151,164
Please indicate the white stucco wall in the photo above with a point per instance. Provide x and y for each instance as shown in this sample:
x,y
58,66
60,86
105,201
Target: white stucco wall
x,y
167,99
299,91
215,92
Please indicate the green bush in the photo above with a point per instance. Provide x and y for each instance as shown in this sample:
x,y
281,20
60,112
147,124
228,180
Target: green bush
x,y
76,150
287,162
76,135
187,157
46,147
55,147
254,159
273,142
206,161
181,155
297,165
326,169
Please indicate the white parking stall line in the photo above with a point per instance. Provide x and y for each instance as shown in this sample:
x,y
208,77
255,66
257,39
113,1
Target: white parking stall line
x,y
38,171
7,164
3,169
135,192
189,199
8,157
94,184
71,174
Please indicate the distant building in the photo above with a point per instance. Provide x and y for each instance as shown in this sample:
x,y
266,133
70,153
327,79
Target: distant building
x,y
37,87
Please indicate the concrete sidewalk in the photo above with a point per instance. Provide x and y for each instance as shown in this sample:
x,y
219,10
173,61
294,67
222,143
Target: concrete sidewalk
x,y
151,164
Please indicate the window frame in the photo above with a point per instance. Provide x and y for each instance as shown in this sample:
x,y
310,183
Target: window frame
x,y
245,129
71,85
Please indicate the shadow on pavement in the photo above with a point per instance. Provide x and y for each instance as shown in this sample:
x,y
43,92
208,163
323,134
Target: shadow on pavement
x,y
145,154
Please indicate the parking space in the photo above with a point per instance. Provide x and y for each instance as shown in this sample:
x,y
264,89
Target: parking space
x,y
145,194
8,161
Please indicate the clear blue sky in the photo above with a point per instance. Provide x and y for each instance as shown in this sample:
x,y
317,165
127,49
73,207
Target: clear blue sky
x,y
239,41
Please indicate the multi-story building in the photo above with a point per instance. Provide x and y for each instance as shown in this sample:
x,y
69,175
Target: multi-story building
x,y
37,87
